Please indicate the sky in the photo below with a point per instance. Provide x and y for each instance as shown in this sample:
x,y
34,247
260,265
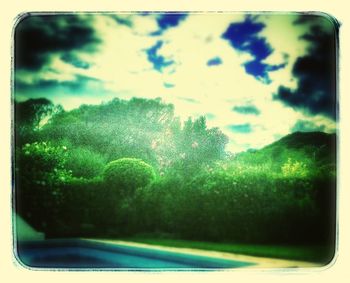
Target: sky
x,y
258,77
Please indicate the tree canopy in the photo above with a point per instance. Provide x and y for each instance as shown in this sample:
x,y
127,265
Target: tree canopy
x,y
138,128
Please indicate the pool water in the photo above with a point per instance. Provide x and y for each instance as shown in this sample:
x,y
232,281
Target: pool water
x,y
75,253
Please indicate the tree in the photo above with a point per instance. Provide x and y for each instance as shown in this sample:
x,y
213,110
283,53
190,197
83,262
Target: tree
x,y
139,128
197,146
115,129
34,111
30,116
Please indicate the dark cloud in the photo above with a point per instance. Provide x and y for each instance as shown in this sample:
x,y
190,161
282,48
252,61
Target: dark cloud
x,y
166,21
243,36
320,19
159,62
214,61
307,126
36,37
246,109
80,83
315,73
241,128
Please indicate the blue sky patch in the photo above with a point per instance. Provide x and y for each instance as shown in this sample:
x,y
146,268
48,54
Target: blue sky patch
x,y
188,99
260,70
168,85
210,116
75,61
244,37
214,61
241,128
246,109
166,21
159,62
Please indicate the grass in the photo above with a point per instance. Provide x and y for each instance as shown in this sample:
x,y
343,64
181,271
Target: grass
x,y
318,254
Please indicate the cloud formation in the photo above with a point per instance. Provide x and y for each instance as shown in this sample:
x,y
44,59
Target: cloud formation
x,y
80,83
315,72
307,126
36,37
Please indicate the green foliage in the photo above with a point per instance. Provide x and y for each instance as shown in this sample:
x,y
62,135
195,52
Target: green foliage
x,y
283,193
294,169
197,147
43,163
235,208
34,111
115,129
139,128
31,116
303,154
40,170
128,174
86,210
84,162
281,162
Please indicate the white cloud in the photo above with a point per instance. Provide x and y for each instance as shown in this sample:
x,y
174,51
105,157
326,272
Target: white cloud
x,y
284,37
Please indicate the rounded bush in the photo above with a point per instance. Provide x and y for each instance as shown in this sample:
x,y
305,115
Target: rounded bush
x,y
127,174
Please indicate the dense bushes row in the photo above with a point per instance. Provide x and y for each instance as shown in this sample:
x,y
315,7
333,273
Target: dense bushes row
x,y
224,207
213,205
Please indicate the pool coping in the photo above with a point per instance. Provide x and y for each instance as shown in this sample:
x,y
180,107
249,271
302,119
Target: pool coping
x,y
256,262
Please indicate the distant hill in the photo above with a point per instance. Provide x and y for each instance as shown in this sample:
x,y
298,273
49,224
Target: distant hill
x,y
314,148
319,146
299,140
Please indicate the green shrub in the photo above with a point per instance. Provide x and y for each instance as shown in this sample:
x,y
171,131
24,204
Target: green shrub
x,y
40,159
40,170
128,174
293,168
85,163
84,209
221,206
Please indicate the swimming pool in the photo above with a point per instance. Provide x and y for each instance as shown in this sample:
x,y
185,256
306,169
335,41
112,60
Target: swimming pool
x,y
84,254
